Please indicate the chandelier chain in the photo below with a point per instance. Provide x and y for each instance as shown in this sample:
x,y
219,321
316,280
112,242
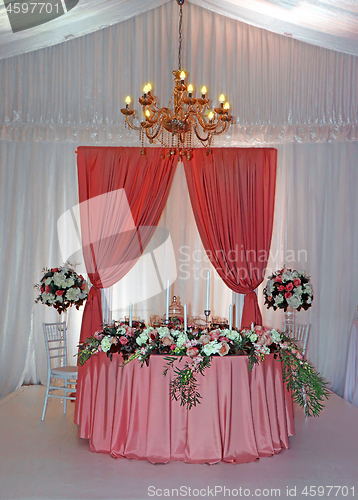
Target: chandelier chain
x,y
180,35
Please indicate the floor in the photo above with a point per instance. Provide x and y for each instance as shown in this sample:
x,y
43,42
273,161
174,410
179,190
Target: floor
x,y
48,460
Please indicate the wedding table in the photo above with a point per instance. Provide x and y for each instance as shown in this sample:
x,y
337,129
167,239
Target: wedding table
x,y
351,383
128,412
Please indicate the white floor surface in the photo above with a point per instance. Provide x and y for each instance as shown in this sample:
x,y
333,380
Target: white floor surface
x,y
48,460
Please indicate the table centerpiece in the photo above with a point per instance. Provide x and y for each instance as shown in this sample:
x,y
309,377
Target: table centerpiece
x,y
199,345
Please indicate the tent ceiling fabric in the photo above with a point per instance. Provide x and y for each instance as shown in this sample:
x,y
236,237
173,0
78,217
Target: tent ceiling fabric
x,y
332,24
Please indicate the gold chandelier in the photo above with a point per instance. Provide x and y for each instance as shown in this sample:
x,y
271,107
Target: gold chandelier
x,y
186,120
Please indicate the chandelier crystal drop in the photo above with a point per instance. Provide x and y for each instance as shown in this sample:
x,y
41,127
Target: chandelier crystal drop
x,y
187,121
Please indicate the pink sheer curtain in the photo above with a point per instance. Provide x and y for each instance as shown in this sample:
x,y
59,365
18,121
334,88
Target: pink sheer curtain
x,y
232,192
122,195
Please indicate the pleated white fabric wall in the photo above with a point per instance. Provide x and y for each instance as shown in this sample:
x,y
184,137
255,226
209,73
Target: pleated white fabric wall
x,y
284,93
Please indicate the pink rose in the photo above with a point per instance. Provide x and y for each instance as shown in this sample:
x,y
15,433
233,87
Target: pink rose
x,y
215,334
173,346
54,270
47,289
129,331
224,349
265,340
281,288
42,289
114,341
205,339
259,329
123,340
83,286
223,339
278,279
192,352
289,287
270,298
59,292
167,340
297,281
288,295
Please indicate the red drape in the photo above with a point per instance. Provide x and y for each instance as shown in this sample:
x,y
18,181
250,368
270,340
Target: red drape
x,y
122,195
232,192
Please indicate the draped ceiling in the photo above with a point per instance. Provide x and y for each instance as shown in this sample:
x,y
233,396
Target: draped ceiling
x,y
300,98
332,24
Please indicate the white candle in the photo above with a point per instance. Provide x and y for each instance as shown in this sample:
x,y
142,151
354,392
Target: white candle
x,y
230,317
130,313
207,290
185,319
167,308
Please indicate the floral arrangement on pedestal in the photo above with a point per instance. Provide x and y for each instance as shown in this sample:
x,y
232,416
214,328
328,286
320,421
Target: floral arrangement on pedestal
x,y
199,345
288,288
61,287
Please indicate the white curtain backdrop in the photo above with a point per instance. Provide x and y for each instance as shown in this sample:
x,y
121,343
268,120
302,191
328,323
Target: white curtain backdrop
x,y
296,97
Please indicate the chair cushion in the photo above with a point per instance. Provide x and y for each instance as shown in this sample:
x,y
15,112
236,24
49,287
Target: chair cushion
x,y
65,371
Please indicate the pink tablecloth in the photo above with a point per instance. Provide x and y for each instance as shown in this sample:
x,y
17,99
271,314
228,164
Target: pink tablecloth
x,y
127,412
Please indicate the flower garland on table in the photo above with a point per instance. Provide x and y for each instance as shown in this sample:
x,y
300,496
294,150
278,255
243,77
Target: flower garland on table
x,y
61,287
200,345
288,288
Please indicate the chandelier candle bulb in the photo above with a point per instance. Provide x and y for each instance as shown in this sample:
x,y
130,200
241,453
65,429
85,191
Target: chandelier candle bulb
x,y
130,313
207,290
128,100
190,90
227,106
182,76
230,317
203,91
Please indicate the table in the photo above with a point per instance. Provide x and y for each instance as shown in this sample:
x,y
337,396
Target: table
x,y
127,412
351,384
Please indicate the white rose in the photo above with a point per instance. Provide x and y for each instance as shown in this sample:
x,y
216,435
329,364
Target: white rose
x,y
212,347
163,331
181,340
231,334
294,301
106,344
253,337
142,338
287,276
48,281
278,300
48,298
270,287
59,280
276,337
73,294
69,282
